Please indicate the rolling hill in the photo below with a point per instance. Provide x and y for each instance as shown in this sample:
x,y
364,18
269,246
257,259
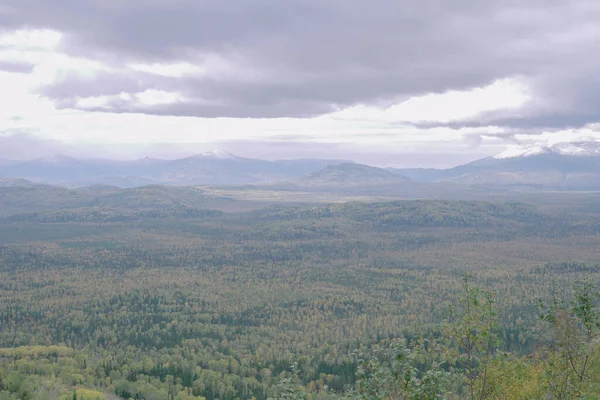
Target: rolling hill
x,y
38,197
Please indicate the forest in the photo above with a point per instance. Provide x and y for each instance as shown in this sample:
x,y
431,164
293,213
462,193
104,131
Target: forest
x,y
406,299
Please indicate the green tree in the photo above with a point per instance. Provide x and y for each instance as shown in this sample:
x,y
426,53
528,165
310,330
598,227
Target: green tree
x,y
471,336
290,386
402,372
575,324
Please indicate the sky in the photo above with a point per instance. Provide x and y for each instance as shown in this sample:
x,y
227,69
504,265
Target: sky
x,y
433,83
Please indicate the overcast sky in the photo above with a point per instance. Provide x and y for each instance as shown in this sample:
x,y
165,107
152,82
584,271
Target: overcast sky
x,y
386,82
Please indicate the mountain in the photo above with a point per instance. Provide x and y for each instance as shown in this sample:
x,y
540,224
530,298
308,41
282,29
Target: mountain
x,y
116,181
305,166
59,168
418,174
350,174
564,165
4,161
216,167
572,166
577,149
9,182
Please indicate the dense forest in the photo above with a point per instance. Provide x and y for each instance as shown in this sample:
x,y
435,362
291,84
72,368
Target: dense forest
x,y
420,299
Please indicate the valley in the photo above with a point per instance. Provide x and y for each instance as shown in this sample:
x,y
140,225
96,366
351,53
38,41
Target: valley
x,y
215,292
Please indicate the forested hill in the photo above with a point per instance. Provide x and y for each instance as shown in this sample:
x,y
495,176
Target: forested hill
x,y
472,218
348,175
418,213
34,197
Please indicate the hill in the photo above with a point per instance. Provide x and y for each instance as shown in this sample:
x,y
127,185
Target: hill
x,y
36,197
349,175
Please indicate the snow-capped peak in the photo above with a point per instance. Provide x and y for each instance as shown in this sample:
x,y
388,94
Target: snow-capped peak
x,y
583,149
217,153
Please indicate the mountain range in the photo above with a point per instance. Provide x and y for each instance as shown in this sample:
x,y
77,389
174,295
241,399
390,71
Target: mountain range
x,y
560,166
564,165
211,168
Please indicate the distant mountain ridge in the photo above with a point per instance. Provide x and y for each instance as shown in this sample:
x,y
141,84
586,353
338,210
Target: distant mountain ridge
x,y
565,165
579,149
216,167
4,161
560,166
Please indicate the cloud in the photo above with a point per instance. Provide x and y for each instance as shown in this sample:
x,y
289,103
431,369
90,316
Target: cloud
x,y
433,76
31,39
300,58
147,98
451,106
172,70
585,134
16,66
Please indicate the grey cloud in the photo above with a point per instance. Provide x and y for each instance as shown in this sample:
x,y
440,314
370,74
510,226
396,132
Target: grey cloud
x,y
311,55
18,67
538,122
104,83
201,109
531,121
566,97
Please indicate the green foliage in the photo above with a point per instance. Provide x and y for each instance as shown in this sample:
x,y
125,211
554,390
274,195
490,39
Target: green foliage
x,y
473,340
290,386
566,267
156,304
575,324
401,372
96,215
510,377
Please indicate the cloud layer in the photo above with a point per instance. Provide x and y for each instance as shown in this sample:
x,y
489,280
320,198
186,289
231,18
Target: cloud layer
x,y
431,76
